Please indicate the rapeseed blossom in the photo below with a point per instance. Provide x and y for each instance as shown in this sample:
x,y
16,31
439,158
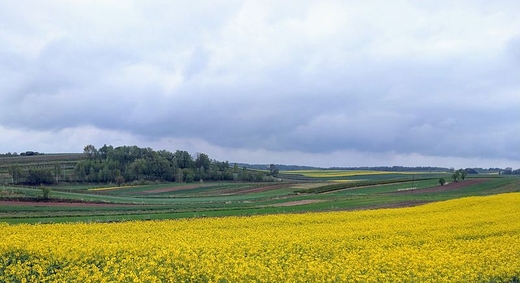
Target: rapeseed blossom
x,y
475,239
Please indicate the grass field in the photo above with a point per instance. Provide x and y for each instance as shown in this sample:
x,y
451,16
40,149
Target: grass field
x,y
302,191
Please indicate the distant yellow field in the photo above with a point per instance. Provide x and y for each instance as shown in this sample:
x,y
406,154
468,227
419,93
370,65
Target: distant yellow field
x,y
475,239
106,189
344,173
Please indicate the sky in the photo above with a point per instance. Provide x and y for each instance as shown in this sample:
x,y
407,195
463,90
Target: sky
x,y
317,83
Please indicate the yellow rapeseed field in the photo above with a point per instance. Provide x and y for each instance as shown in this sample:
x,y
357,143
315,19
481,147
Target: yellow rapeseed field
x,y
474,239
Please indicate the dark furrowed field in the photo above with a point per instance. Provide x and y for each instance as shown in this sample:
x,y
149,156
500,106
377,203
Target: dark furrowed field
x,y
298,192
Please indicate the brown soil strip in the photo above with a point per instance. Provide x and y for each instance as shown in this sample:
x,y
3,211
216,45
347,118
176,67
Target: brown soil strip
x,y
172,189
445,188
239,191
262,189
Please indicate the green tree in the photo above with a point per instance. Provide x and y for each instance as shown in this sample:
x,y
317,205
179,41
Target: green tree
x,y
442,181
92,174
202,160
90,151
456,176
105,151
273,170
39,176
46,192
463,174
184,159
80,171
132,162
57,172
120,180
16,173
137,168
105,174
179,176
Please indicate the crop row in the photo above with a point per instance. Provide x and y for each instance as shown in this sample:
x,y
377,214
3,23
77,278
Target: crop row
x,y
348,185
474,239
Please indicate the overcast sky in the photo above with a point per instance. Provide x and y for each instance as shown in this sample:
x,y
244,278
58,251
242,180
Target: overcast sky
x,y
322,83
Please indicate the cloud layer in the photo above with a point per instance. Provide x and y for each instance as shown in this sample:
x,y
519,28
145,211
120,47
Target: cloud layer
x,y
327,83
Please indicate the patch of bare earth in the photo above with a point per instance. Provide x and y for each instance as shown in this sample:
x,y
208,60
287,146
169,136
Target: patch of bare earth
x,y
298,202
239,191
262,189
445,188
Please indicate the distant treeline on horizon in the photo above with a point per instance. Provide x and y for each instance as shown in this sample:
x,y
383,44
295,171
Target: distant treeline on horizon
x,y
283,167
26,153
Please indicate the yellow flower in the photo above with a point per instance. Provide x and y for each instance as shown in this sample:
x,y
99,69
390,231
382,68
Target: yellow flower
x,y
474,239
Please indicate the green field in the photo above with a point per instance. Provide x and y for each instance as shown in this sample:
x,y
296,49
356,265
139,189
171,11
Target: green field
x,y
299,191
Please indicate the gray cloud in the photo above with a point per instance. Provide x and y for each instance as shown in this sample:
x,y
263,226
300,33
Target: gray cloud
x,y
410,79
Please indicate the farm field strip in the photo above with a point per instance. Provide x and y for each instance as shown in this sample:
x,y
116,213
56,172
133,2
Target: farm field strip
x,y
137,200
474,239
221,199
194,189
349,173
106,188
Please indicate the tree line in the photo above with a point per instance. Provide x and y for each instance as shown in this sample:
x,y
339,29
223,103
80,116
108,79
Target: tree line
x,y
26,153
131,163
125,164
457,176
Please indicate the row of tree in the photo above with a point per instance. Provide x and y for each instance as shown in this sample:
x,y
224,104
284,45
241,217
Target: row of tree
x,y
35,175
510,171
27,153
130,163
457,175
